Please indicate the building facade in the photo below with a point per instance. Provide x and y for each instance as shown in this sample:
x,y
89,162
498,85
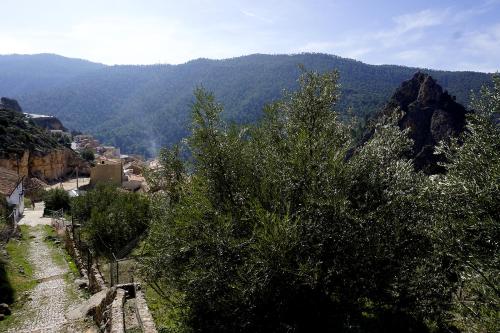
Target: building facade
x,y
11,187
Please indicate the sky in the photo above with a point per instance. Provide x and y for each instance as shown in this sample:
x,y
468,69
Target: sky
x,y
449,35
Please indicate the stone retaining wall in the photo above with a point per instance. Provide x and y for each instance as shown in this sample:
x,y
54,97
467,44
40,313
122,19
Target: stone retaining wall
x,y
109,314
94,276
102,313
96,281
74,252
144,316
117,317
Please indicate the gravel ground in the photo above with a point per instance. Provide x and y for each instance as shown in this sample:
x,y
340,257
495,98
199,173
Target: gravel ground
x,y
53,296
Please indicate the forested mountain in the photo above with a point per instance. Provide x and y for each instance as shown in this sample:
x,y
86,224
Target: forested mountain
x,y
140,108
20,74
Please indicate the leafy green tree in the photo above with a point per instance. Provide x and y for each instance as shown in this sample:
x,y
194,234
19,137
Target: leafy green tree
x,y
88,155
276,228
467,201
111,218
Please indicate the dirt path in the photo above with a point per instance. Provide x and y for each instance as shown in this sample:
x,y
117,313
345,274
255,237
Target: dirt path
x,y
70,184
53,296
33,217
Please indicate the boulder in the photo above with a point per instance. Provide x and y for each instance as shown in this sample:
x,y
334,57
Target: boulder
x,y
4,309
81,283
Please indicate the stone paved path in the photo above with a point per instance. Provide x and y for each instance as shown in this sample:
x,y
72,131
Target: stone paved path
x,y
53,296
33,217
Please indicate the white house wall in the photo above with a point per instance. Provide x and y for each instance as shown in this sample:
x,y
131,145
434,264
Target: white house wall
x,y
17,199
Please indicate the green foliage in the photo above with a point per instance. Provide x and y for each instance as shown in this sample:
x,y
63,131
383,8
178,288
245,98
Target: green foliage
x,y
4,209
88,155
275,229
169,174
63,139
56,199
111,218
18,133
468,196
16,273
142,108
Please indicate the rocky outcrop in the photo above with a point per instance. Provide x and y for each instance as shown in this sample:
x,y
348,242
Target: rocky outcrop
x,y
47,122
430,114
31,150
55,164
10,104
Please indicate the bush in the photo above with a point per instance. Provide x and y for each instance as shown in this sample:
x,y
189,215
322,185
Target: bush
x,y
56,199
88,155
111,218
6,290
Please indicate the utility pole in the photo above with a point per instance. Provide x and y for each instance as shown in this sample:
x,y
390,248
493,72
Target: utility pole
x,y
77,179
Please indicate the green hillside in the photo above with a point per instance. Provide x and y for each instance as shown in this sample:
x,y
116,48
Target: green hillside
x,y
140,108
18,133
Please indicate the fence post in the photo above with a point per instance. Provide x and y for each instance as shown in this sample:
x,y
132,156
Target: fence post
x,y
111,273
73,227
89,262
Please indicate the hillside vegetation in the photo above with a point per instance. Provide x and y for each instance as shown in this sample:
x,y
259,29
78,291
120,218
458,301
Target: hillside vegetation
x,y
141,108
270,228
18,133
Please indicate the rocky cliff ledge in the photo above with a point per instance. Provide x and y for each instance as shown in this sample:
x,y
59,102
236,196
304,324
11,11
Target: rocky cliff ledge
x,y
54,164
32,150
47,122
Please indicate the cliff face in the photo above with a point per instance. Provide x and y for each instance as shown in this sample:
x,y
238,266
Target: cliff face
x,y
47,122
430,114
53,165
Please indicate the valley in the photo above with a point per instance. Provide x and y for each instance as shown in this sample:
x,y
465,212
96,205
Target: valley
x,y
142,108
382,222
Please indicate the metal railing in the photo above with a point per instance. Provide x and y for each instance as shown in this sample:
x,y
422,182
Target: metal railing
x,y
57,219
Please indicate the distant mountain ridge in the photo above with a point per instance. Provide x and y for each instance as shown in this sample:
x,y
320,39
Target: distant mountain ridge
x,y
20,73
141,108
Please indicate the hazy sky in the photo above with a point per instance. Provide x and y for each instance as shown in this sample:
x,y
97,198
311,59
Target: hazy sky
x,y
454,35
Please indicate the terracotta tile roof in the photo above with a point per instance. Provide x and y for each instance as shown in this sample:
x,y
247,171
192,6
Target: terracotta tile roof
x,y
8,181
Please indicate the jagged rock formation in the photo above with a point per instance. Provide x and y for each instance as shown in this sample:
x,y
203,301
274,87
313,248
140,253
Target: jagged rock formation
x,y
31,150
10,104
430,114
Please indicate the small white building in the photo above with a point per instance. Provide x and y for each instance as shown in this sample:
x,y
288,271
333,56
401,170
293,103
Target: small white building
x,y
11,187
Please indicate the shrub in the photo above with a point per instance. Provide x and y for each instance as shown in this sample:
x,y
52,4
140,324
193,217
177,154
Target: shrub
x,y
6,290
56,199
111,218
88,155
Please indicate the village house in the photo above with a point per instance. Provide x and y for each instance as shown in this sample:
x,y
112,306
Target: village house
x,y
84,141
108,171
11,187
